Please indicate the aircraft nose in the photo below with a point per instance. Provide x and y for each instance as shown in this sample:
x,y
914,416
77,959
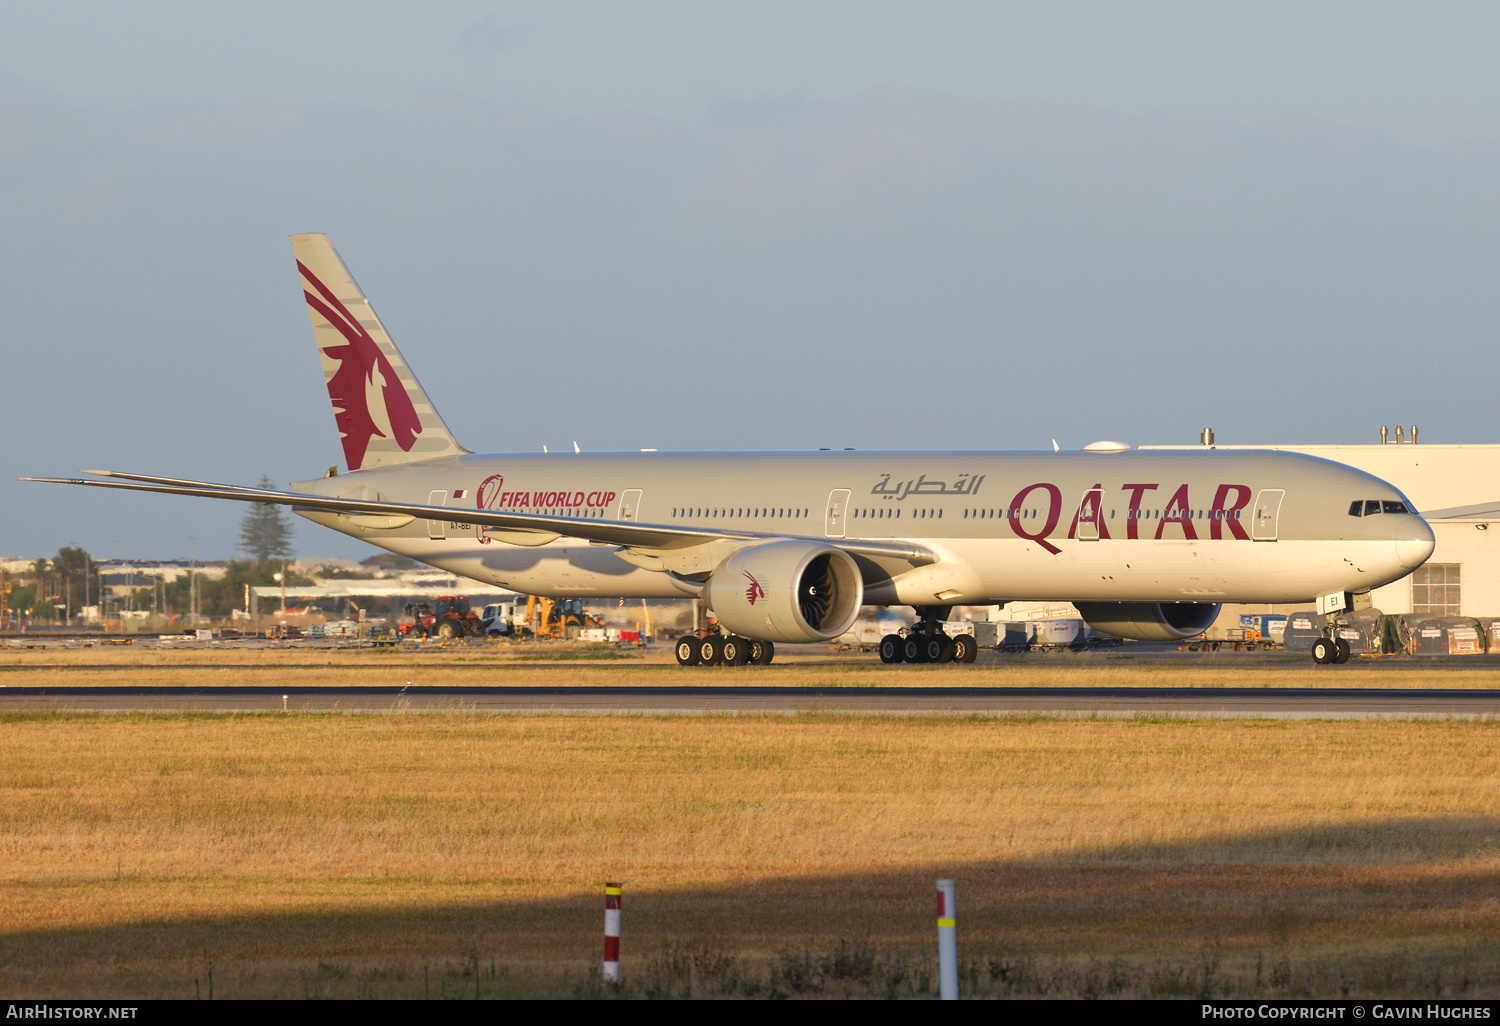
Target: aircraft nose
x,y
1413,549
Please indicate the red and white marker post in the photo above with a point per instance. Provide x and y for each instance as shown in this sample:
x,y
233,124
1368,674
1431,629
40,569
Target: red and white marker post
x,y
947,943
612,932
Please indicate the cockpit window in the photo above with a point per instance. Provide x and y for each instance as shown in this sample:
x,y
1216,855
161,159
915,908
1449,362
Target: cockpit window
x,y
1369,507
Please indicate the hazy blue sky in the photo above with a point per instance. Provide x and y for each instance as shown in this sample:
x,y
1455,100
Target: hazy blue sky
x,y
734,226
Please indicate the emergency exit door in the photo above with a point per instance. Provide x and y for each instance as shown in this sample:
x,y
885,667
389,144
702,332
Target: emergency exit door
x,y
838,508
437,529
1267,512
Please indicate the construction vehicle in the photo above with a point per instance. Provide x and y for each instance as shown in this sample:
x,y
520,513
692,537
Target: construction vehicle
x,y
557,618
447,618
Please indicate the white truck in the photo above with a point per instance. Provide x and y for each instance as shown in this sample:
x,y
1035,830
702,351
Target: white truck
x,y
503,618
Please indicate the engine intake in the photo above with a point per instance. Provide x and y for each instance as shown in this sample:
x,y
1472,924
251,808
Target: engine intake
x,y
1150,621
787,591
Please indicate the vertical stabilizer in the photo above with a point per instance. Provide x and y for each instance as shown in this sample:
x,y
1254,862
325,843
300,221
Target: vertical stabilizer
x,y
383,415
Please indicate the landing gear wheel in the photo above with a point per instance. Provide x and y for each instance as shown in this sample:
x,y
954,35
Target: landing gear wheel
x,y
1342,653
736,651
938,648
913,650
892,649
711,650
687,651
761,653
1324,651
964,649
448,630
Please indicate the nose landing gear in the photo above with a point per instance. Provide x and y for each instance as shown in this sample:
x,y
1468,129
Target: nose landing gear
x,y
1331,648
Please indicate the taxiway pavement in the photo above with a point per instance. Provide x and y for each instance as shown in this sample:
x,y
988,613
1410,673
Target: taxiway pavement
x,y
1297,703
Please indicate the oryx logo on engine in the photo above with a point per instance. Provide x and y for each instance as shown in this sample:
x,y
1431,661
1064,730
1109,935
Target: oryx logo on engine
x,y
755,591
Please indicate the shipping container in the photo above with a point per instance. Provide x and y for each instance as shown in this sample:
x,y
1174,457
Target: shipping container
x,y
1057,633
1302,629
1448,635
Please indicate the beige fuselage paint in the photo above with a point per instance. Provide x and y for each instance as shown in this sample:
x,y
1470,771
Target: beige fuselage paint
x,y
1171,526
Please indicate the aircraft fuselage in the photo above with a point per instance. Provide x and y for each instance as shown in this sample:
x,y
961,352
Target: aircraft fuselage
x,y
1130,526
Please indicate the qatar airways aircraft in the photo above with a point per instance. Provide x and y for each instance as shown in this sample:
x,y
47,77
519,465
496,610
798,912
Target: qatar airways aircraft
x,y
787,546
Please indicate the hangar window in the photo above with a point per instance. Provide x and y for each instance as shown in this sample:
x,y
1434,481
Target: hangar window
x,y
1435,589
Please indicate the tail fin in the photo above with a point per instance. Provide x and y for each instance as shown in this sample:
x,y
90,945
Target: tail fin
x,y
383,415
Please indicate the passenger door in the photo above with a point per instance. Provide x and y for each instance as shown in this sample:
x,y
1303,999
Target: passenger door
x,y
1088,516
630,503
838,507
437,530
1267,512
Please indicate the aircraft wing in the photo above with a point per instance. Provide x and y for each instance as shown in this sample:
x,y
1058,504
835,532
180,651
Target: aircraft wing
x,y
538,528
1478,511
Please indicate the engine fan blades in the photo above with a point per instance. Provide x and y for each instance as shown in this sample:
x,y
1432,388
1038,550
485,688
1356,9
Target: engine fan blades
x,y
815,592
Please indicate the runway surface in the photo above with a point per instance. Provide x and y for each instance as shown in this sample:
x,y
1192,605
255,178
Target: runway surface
x,y
1296,703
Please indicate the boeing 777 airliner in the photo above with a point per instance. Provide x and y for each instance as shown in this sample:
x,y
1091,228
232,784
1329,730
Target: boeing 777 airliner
x,y
787,546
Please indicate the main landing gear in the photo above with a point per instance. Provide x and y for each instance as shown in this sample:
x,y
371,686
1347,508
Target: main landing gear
x,y
925,641
712,649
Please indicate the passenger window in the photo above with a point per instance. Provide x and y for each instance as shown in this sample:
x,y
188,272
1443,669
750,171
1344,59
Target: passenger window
x,y
1372,506
1393,507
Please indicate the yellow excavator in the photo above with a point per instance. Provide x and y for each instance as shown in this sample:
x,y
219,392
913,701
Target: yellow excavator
x,y
551,618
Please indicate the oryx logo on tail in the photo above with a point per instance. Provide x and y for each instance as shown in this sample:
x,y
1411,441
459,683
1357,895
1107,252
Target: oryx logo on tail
x,y
369,400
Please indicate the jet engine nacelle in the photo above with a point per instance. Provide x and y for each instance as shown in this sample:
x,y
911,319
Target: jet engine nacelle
x,y
1150,621
793,591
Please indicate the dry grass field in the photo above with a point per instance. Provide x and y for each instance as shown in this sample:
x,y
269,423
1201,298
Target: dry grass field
x,y
451,855
561,666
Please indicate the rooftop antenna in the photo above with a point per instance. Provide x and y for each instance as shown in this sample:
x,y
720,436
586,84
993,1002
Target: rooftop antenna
x,y
1382,434
1398,434
1413,434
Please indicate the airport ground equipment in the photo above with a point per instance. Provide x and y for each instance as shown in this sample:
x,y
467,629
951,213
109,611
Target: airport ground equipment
x,y
448,617
1449,635
500,619
557,619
